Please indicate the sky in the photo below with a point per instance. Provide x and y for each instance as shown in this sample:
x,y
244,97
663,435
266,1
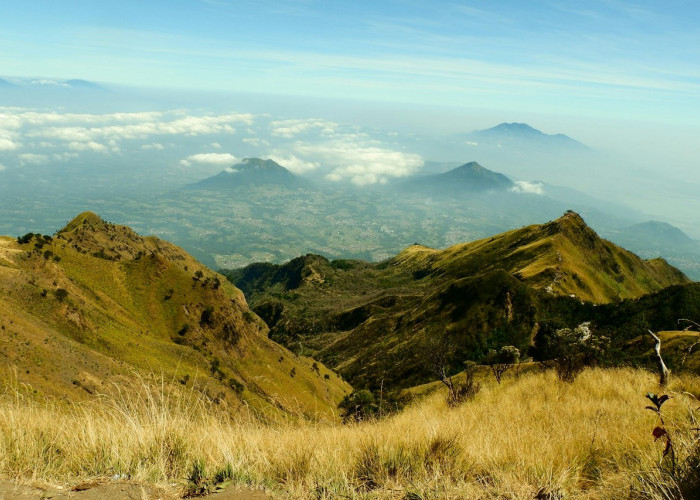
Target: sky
x,y
591,59
620,76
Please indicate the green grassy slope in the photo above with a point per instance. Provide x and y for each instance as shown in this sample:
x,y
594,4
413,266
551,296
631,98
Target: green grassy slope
x,y
97,304
375,322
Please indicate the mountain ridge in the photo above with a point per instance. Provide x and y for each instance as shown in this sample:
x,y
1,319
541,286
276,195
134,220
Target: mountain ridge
x,y
117,306
384,317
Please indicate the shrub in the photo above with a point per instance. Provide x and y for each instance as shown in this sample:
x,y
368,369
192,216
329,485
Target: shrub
x,y
358,406
503,360
470,387
207,317
236,386
575,349
22,240
197,483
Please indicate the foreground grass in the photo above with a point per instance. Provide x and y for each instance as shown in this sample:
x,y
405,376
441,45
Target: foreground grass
x,y
529,436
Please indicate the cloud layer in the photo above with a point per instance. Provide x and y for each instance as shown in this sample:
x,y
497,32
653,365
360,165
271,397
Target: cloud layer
x,y
321,148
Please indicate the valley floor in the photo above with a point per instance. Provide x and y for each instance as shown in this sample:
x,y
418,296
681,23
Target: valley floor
x,y
532,436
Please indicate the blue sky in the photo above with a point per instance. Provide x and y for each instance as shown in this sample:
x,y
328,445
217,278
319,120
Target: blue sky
x,y
594,58
621,76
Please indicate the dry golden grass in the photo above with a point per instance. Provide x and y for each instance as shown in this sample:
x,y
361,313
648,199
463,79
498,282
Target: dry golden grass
x,y
530,435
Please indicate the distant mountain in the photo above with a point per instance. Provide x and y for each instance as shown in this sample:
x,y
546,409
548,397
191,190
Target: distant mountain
x,y
83,84
468,178
654,233
5,83
253,171
98,305
376,321
518,134
653,239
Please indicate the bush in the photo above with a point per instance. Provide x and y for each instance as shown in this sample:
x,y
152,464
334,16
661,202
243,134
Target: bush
x,y
207,317
22,240
358,406
470,387
575,349
364,405
503,360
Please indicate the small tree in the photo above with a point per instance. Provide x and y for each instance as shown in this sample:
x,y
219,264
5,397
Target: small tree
x,y
575,349
503,360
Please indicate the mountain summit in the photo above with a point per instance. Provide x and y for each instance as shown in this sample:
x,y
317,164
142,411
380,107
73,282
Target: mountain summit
x,y
522,133
253,171
97,305
468,178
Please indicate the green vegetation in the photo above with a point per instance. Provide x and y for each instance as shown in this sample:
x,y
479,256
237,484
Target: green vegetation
x,y
130,307
181,386
374,322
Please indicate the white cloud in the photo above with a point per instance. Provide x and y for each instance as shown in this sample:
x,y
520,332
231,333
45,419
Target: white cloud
x,y
231,170
7,144
528,187
361,163
101,128
256,142
2,167
215,145
33,158
223,159
154,145
6,139
64,156
291,128
88,146
293,163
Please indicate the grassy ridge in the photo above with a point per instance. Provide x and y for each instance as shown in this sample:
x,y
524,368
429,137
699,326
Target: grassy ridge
x,y
97,305
376,322
530,435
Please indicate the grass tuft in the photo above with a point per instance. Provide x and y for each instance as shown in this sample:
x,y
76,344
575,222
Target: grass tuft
x,y
530,437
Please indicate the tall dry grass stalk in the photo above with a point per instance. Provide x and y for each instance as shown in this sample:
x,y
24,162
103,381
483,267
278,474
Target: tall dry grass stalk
x,y
531,435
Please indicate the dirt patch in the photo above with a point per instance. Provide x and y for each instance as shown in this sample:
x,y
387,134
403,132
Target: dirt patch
x,y
117,490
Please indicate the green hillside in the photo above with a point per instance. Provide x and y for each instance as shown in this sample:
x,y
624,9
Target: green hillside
x,y
379,322
97,305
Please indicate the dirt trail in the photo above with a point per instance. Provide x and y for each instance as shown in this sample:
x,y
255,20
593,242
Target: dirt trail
x,y
96,490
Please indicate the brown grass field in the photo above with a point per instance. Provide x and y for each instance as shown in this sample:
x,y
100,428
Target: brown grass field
x,y
530,437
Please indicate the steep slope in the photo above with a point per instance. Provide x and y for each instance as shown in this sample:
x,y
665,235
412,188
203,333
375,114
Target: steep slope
x,y
98,305
565,257
375,322
467,179
252,171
